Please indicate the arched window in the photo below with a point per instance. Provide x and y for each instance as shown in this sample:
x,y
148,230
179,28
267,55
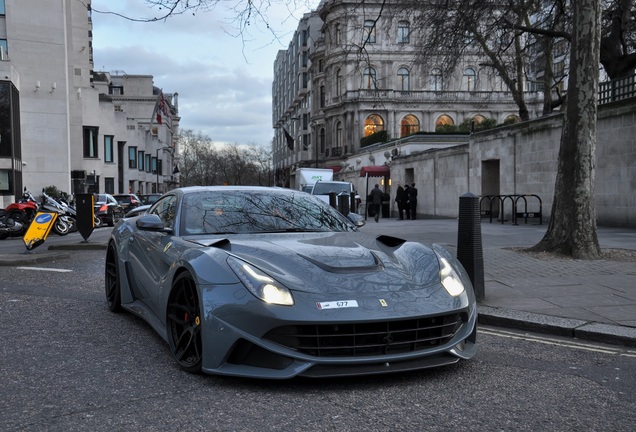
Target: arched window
x,y
374,123
478,118
470,79
338,82
444,120
369,31
409,125
404,82
322,136
339,136
404,30
512,119
436,80
368,78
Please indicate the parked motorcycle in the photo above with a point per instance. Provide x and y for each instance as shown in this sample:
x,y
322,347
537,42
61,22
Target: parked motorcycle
x,y
66,219
18,216
8,226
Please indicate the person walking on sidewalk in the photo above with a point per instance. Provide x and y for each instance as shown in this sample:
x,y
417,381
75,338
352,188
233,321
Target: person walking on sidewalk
x,y
412,197
400,199
376,201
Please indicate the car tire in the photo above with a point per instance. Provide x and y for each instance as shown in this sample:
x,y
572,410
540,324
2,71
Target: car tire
x,y
111,279
97,222
184,324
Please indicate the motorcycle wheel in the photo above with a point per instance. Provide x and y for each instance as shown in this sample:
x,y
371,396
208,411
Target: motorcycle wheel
x,y
60,227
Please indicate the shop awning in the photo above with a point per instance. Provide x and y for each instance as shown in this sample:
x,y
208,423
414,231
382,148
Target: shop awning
x,y
375,171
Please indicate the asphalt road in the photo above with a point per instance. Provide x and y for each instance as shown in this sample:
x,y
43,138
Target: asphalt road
x,y
69,364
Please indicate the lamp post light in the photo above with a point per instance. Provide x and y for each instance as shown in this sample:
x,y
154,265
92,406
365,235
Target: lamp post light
x,y
157,165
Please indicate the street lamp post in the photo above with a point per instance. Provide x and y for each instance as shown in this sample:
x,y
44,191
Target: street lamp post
x,y
157,165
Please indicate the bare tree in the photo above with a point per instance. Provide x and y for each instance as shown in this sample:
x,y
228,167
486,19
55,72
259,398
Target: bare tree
x,y
202,162
572,228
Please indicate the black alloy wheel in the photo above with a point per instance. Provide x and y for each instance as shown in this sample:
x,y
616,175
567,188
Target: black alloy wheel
x,y
184,324
111,279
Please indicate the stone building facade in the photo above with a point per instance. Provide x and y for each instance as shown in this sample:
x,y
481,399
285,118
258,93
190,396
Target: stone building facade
x,y
352,70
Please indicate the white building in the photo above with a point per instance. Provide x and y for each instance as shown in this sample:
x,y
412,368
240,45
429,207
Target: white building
x,y
60,125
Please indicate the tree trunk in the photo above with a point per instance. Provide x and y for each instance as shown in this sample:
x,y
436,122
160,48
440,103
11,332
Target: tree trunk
x,y
572,227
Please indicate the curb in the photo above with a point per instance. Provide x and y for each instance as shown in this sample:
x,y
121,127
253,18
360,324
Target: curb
x,y
573,328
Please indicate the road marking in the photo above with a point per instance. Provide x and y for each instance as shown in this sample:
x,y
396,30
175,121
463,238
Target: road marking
x,y
567,344
45,269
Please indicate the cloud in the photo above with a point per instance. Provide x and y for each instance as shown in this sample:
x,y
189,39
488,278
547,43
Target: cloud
x,y
224,82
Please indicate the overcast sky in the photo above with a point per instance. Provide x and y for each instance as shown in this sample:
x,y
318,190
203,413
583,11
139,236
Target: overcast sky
x,y
224,82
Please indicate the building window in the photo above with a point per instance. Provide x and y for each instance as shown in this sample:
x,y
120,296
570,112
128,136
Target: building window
x,y
322,140
338,82
116,90
90,142
109,185
404,83
132,157
374,123
148,167
2,10
140,160
338,36
470,79
444,120
154,165
368,78
4,48
436,80
108,148
369,31
404,31
409,125
322,96
339,136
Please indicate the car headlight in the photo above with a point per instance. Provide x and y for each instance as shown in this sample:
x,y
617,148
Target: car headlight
x,y
260,284
450,278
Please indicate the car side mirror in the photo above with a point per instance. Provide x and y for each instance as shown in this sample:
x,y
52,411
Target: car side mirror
x,y
358,220
151,222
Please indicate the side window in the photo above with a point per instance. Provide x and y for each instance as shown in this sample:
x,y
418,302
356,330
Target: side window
x,y
166,209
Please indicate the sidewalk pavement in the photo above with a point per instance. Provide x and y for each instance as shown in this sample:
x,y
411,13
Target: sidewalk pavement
x,y
591,300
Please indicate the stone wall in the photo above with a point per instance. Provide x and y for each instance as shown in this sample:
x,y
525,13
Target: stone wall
x,y
522,159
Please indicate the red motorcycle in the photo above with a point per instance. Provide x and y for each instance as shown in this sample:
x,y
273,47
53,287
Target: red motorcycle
x,y
21,212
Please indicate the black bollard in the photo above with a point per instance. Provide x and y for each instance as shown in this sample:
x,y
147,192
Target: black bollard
x,y
343,204
469,247
85,214
333,201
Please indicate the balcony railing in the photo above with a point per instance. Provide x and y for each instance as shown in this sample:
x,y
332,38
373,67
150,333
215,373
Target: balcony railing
x,y
434,96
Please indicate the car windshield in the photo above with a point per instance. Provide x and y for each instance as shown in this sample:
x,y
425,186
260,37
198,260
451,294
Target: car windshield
x,y
325,188
229,212
123,199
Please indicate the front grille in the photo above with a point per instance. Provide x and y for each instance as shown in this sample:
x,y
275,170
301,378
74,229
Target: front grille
x,y
369,339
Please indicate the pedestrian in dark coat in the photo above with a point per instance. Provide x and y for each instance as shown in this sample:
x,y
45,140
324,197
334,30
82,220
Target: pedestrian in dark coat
x,y
407,208
412,195
400,199
376,201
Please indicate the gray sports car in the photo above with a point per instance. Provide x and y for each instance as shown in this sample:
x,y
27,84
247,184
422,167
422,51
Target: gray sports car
x,y
274,283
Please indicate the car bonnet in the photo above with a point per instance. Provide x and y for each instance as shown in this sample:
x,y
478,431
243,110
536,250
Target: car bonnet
x,y
337,262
